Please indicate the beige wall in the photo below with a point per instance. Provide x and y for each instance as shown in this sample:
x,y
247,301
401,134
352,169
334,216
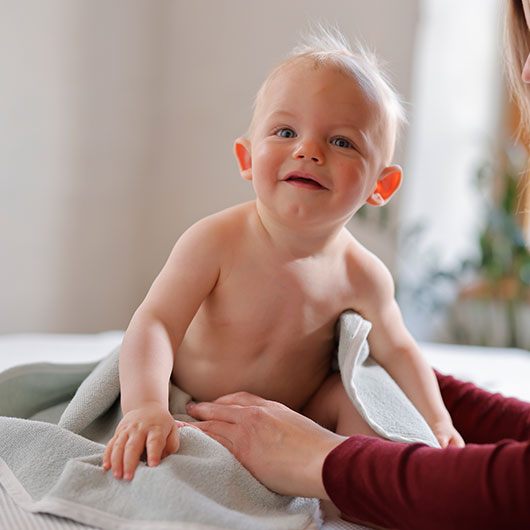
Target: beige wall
x,y
116,131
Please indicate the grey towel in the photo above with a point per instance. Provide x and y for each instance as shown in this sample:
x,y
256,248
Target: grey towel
x,y
56,420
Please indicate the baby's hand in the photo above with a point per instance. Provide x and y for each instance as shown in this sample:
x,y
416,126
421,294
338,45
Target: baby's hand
x,y
151,427
447,435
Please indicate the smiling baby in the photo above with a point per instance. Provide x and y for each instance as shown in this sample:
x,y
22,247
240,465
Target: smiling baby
x,y
249,297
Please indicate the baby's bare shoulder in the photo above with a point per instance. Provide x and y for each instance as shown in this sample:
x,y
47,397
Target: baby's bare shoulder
x,y
220,228
197,260
207,243
366,271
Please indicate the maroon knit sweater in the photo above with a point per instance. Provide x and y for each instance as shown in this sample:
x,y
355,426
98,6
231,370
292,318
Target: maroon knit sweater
x,y
485,485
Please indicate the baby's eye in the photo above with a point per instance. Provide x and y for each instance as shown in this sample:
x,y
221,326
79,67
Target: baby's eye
x,y
341,142
285,132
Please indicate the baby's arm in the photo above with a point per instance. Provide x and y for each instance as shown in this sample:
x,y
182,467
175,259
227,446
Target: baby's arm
x,y
393,347
146,358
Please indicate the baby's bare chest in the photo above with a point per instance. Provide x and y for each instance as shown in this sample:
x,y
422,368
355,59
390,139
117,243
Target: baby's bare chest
x,y
274,300
264,309
268,331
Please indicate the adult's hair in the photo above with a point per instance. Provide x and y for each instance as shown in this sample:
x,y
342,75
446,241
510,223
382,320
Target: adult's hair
x,y
517,48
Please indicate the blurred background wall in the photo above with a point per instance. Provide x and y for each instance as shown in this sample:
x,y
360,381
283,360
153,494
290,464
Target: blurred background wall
x,y
117,119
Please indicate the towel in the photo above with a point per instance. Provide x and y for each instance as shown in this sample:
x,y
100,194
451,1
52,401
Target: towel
x,y
56,420
376,396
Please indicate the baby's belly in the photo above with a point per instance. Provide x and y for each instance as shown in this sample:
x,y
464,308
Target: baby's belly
x,y
275,353
278,377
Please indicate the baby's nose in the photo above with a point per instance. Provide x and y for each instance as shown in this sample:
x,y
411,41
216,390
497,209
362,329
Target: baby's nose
x,y
309,150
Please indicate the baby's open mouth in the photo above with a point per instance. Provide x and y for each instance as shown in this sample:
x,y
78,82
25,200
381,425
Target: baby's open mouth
x,y
304,181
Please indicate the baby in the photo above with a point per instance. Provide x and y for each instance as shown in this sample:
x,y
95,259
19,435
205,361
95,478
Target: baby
x,y
249,297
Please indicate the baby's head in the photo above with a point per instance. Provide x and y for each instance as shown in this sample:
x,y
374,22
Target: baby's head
x,y
330,50
329,113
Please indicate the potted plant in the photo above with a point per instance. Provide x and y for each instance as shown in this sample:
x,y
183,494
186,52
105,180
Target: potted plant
x,y
493,308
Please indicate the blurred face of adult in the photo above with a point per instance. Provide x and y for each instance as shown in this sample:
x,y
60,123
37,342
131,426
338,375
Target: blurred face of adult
x,y
526,68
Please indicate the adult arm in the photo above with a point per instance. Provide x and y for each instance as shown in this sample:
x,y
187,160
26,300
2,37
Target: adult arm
x,y
482,417
416,487
384,483
395,485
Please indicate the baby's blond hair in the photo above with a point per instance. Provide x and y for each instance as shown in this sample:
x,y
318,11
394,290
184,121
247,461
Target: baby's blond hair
x,y
328,47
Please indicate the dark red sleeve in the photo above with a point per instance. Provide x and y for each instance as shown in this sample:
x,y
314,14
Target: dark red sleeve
x,y
416,487
481,417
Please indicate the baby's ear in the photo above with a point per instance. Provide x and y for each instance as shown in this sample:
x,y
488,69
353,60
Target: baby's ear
x,y
387,184
242,152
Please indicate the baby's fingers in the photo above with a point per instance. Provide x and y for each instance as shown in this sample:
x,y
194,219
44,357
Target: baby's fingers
x,y
443,440
173,440
156,441
457,441
116,456
106,454
132,453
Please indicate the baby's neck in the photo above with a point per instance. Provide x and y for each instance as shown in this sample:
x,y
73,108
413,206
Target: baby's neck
x,y
295,242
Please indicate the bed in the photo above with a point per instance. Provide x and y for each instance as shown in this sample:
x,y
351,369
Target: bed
x,y
502,370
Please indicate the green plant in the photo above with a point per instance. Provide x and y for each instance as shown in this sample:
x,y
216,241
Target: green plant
x,y
503,264
497,273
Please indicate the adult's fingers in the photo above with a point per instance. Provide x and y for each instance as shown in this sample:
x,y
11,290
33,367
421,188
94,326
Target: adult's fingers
x,y
240,398
215,411
219,428
224,433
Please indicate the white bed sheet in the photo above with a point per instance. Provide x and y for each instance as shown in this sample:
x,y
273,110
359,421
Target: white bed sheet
x,y
496,369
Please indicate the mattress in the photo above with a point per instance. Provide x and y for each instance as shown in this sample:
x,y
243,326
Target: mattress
x,y
502,370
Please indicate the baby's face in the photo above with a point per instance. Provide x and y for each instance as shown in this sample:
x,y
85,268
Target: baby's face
x,y
316,145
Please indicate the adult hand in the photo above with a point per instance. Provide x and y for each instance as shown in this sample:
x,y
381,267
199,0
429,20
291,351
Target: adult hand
x,y
281,448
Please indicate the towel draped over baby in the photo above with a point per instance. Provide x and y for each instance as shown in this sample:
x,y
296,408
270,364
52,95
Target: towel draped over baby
x,y
56,420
